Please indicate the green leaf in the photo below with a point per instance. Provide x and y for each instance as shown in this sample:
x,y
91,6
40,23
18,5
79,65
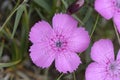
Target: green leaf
x,y
1,48
65,4
39,14
88,14
17,19
43,4
9,64
24,35
11,14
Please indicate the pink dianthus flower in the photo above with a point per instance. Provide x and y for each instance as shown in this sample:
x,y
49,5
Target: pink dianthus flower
x,y
109,9
105,66
60,42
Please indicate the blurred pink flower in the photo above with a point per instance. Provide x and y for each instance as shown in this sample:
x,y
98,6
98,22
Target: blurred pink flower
x,y
60,43
109,9
105,66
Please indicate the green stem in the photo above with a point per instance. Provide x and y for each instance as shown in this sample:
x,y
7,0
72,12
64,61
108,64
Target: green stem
x,y
94,27
46,74
117,34
58,4
60,76
80,21
74,78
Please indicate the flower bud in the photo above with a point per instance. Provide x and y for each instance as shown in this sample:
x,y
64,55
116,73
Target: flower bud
x,y
75,6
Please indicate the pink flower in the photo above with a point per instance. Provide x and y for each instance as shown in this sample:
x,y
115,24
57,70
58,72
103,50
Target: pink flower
x,y
109,9
60,43
105,67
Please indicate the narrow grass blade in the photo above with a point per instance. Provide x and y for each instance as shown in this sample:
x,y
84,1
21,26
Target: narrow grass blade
x,y
43,4
1,48
9,64
9,17
17,19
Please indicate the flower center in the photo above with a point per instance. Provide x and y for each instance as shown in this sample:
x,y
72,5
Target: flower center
x,y
58,43
114,68
118,3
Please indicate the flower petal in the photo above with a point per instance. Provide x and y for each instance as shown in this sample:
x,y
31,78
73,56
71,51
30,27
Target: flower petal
x,y
40,31
42,55
102,51
67,61
118,55
95,71
116,78
79,40
105,8
116,20
64,23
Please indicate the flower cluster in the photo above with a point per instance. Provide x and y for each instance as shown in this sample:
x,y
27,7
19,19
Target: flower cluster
x,y
62,42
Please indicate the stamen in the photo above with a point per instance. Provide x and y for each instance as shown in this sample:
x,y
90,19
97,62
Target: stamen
x,y
112,67
58,44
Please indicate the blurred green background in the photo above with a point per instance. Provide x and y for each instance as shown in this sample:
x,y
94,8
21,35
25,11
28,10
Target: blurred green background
x,y
16,19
